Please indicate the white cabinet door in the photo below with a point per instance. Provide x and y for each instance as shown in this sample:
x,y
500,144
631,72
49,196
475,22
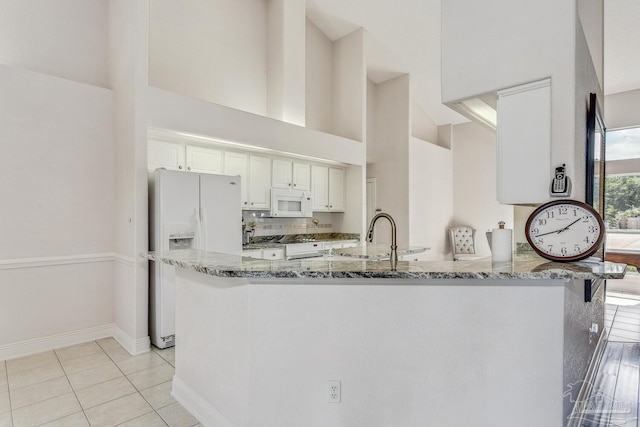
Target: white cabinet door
x,y
320,187
524,168
205,160
273,254
281,176
336,189
259,182
163,154
301,176
287,174
237,164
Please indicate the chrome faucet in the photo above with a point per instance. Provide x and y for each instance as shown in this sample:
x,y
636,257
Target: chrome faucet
x,y
394,246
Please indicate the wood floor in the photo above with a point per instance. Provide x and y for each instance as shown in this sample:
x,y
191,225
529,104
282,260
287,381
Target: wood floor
x,y
615,394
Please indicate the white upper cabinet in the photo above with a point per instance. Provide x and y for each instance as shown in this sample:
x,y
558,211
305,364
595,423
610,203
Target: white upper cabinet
x,y
255,178
282,174
259,182
327,188
301,176
336,189
237,164
204,159
177,156
258,174
163,154
524,143
288,174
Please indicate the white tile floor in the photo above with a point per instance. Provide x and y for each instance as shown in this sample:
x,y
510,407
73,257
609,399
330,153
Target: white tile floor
x,y
92,384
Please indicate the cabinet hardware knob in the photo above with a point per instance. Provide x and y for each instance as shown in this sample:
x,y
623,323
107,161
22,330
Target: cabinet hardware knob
x,y
245,203
180,167
289,184
330,206
189,168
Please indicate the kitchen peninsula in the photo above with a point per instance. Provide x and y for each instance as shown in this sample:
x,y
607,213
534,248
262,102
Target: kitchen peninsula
x,y
427,343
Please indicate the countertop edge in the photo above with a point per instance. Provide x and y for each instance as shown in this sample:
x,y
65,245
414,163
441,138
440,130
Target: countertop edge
x,y
223,265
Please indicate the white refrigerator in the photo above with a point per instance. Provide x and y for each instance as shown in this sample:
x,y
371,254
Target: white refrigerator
x,y
187,211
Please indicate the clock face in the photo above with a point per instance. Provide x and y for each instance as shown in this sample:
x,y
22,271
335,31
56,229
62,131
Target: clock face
x,y
565,230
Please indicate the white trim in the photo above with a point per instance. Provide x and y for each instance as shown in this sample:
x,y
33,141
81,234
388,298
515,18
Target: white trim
x,y
205,413
8,264
38,345
125,259
525,87
133,346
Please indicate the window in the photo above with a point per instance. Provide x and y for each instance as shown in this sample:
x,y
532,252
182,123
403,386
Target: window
x,y
622,189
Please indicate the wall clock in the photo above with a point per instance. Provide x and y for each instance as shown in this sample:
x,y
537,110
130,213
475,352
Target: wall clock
x,y
565,230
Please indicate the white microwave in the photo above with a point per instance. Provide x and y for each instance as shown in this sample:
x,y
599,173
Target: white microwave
x,y
290,203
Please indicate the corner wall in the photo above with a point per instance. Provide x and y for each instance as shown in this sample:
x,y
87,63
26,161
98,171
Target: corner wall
x,y
57,192
474,183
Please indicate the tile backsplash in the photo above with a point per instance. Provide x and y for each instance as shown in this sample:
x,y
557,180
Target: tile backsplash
x,y
265,226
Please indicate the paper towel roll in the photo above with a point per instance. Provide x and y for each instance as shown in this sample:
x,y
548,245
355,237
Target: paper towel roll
x,y
501,247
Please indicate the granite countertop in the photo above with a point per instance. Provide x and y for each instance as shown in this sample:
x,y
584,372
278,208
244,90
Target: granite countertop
x,y
374,252
278,241
522,267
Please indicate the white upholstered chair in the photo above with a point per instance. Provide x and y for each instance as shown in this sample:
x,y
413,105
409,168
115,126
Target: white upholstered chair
x,y
463,239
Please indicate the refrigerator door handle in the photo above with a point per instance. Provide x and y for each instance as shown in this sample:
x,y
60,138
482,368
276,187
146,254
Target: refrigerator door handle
x,y
199,233
203,230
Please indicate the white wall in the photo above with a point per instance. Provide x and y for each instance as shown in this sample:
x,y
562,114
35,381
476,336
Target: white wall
x,y
621,109
211,50
431,197
57,192
319,66
349,86
286,60
128,73
591,15
64,38
586,82
422,126
474,183
512,50
388,155
501,41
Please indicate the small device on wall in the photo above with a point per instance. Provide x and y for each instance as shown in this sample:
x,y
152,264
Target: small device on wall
x,y
560,184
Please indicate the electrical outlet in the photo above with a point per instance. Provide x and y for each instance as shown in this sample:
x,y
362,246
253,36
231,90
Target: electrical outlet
x,y
334,392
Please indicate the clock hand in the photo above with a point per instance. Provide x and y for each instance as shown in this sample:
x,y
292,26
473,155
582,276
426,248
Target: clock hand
x,y
551,232
567,227
561,230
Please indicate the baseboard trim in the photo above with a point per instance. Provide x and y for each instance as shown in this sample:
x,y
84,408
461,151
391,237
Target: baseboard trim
x,y
205,413
133,346
38,345
9,264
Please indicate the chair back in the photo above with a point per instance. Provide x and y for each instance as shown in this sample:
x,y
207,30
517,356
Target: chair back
x,y
463,239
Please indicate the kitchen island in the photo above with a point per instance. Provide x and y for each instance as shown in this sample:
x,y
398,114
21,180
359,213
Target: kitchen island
x,y
427,343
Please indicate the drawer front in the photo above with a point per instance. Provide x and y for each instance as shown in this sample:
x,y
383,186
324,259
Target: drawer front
x,y
273,254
